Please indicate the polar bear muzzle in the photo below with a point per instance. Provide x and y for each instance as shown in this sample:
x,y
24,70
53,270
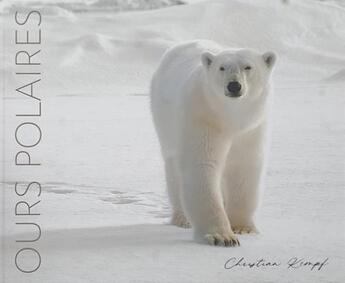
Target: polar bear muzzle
x,y
234,89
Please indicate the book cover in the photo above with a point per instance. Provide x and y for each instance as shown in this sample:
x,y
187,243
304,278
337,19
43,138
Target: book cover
x,y
161,141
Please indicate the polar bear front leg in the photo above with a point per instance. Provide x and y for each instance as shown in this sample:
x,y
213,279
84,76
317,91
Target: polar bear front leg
x,y
201,162
241,180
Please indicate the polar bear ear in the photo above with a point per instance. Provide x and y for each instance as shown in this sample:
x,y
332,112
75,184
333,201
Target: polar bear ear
x,y
207,59
270,59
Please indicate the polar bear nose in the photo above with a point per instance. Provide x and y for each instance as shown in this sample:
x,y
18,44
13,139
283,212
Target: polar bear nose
x,y
234,87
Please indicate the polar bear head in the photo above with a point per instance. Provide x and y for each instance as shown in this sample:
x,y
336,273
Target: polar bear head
x,y
237,74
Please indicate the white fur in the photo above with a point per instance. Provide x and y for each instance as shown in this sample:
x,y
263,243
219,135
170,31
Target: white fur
x,y
212,144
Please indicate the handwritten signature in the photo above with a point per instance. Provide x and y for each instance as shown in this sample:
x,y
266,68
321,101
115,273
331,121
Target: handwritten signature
x,y
292,263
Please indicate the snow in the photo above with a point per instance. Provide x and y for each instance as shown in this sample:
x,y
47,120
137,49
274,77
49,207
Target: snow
x,y
82,6
104,210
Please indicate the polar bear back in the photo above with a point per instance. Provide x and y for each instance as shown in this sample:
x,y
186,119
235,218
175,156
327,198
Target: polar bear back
x,y
178,64
170,85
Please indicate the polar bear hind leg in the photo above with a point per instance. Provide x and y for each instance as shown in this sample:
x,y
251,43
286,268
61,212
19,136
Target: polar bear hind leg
x,y
174,190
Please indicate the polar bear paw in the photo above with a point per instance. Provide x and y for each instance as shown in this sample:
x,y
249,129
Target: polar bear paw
x,y
245,229
223,240
180,220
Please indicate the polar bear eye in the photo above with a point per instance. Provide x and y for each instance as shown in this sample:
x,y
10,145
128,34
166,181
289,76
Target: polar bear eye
x,y
222,68
247,68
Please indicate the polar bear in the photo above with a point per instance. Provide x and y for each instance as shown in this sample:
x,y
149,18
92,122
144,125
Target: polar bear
x,y
210,107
